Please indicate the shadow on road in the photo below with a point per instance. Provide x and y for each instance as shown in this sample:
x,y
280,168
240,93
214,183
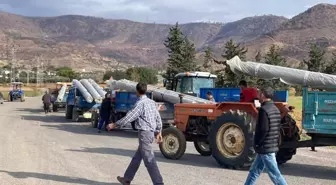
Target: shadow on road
x,y
78,128
187,159
56,178
45,118
40,110
290,169
309,171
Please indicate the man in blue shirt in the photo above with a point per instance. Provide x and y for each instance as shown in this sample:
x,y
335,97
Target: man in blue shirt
x,y
148,123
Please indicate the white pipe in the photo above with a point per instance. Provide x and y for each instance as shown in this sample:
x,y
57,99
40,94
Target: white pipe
x,y
92,91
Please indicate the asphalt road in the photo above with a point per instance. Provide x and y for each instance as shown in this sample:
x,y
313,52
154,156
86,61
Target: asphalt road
x,y
48,150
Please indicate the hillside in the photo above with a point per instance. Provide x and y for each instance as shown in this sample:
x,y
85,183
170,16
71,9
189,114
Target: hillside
x,y
97,43
316,25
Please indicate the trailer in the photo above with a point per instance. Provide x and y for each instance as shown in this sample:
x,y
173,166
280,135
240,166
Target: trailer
x,y
59,95
124,101
225,130
80,100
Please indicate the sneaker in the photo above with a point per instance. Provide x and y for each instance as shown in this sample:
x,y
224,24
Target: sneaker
x,y
123,181
99,131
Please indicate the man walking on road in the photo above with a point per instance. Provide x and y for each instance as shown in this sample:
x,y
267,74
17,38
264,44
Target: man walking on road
x,y
46,98
266,140
148,123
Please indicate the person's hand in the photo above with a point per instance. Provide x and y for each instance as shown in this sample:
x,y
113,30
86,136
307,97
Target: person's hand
x,y
159,138
111,126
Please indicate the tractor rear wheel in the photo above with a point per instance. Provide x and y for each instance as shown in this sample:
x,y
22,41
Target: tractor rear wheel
x,y
174,143
203,148
289,134
68,111
231,140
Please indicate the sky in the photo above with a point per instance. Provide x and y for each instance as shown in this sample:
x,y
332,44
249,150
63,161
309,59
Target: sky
x,y
161,11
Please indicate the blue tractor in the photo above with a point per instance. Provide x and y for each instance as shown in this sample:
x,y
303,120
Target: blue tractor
x,y
77,106
16,93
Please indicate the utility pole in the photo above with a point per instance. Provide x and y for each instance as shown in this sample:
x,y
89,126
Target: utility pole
x,y
37,70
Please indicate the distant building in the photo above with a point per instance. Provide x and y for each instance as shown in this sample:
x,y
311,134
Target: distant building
x,y
95,75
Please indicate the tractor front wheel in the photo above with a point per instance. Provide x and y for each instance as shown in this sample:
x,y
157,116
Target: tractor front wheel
x,y
203,148
289,134
231,140
174,143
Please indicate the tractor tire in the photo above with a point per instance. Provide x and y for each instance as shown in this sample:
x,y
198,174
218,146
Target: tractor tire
x,y
203,148
75,116
94,119
174,143
68,111
286,154
231,140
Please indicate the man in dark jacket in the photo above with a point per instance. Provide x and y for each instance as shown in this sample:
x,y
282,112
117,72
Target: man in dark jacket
x,y
105,111
46,98
266,140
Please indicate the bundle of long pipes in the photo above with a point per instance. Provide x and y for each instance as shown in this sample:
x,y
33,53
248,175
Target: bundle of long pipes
x,y
83,90
161,95
61,93
100,90
92,90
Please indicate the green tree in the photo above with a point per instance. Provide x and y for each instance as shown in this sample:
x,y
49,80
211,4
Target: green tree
x,y
189,54
331,68
316,59
273,57
174,44
66,72
298,88
181,53
227,78
142,74
208,58
116,75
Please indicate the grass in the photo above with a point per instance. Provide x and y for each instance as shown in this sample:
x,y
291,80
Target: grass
x,y
27,94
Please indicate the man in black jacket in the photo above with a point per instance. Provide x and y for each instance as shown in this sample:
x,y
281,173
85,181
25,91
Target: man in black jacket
x,y
46,99
105,111
266,140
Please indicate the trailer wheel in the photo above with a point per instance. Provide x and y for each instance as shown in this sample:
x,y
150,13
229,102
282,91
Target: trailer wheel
x,y
174,143
203,148
231,140
75,115
287,135
94,119
68,111
54,107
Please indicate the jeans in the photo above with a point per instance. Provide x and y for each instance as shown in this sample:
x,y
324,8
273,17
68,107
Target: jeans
x,y
101,123
267,162
145,153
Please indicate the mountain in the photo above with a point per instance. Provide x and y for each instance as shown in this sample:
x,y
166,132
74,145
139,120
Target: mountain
x,y
294,37
98,43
